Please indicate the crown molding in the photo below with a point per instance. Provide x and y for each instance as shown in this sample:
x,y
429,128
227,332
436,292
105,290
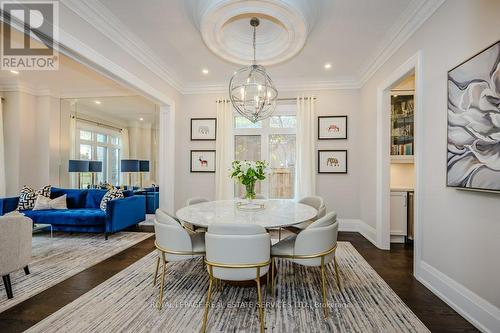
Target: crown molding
x,y
80,93
412,19
97,15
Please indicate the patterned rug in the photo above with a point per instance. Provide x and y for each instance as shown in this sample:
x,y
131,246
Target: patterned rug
x,y
57,259
126,302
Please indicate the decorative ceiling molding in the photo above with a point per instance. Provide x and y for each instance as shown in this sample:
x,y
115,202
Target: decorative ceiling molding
x,y
412,19
222,88
284,27
13,86
100,17
97,15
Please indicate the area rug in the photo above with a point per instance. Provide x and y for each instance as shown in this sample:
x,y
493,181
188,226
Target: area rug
x,y
126,302
61,257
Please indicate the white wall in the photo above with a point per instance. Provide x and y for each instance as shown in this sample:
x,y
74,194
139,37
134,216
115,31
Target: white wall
x,y
341,192
460,229
31,127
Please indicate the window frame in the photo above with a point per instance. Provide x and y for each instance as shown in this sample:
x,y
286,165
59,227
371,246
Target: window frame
x,y
94,143
264,132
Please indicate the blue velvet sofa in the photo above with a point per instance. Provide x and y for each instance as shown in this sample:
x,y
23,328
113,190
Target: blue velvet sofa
x,y
83,213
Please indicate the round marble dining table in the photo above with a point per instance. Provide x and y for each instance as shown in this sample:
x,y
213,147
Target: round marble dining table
x,y
276,213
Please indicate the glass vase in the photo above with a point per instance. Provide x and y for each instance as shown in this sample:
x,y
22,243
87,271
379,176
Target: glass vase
x,y
250,192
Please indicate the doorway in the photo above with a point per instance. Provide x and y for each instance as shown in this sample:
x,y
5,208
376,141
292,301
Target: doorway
x,y
383,193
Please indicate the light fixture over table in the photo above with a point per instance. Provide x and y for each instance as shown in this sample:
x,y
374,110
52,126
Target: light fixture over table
x,y
251,90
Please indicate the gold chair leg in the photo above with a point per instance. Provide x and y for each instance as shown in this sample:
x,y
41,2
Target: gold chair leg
x,y
207,303
162,284
337,275
272,276
323,286
156,271
259,298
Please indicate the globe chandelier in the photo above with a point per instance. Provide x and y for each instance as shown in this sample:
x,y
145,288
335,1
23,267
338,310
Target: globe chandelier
x,y
251,90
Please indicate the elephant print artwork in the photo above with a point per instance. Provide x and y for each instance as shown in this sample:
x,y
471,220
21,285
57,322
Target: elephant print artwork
x,y
332,161
203,129
333,128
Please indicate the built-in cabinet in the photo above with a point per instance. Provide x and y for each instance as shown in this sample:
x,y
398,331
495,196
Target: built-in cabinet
x,y
402,127
399,213
401,216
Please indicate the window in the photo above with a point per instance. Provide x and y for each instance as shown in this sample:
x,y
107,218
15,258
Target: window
x,y
98,144
273,140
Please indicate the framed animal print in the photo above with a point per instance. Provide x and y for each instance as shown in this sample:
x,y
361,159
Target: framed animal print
x,y
203,129
202,161
332,127
332,161
474,122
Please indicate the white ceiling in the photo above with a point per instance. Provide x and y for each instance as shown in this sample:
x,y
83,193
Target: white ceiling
x,y
353,36
71,80
120,109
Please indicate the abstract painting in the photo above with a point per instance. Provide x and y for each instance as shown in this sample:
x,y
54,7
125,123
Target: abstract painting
x,y
474,122
332,161
203,129
202,160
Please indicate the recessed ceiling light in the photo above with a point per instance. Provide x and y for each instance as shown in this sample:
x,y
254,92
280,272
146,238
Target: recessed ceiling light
x,y
328,66
204,71
141,119
97,102
14,72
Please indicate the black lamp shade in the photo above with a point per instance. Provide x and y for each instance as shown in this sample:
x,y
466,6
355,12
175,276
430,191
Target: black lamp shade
x,y
95,166
144,166
129,165
78,166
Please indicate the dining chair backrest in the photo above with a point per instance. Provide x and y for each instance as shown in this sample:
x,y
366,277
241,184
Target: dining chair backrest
x,y
171,236
319,237
196,200
236,244
316,202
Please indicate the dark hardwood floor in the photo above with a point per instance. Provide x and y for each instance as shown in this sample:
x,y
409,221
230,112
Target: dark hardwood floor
x,y
394,266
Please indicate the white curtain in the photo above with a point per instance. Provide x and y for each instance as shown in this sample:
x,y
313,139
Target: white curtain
x,y
224,186
2,155
124,151
72,149
305,173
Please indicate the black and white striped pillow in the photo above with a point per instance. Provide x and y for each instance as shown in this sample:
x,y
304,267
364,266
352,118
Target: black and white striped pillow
x,y
27,196
112,194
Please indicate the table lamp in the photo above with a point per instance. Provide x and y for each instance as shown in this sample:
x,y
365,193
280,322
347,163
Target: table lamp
x,y
94,167
143,167
78,166
129,166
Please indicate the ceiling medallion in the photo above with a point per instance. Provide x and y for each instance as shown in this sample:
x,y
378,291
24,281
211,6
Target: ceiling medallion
x,y
251,90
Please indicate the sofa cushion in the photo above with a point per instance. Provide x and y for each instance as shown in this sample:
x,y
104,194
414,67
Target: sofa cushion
x,y
112,194
27,197
94,198
81,216
75,198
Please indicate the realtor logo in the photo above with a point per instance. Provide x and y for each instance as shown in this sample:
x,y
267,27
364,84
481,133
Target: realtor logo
x,y
29,31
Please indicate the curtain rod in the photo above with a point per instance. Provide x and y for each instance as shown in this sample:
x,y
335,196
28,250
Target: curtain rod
x,y
97,123
279,99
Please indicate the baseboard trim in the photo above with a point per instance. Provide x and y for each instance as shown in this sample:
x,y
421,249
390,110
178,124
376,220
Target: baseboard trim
x,y
357,225
479,312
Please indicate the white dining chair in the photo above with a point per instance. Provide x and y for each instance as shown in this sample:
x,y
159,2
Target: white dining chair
x,y
317,203
314,246
174,243
237,252
190,202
